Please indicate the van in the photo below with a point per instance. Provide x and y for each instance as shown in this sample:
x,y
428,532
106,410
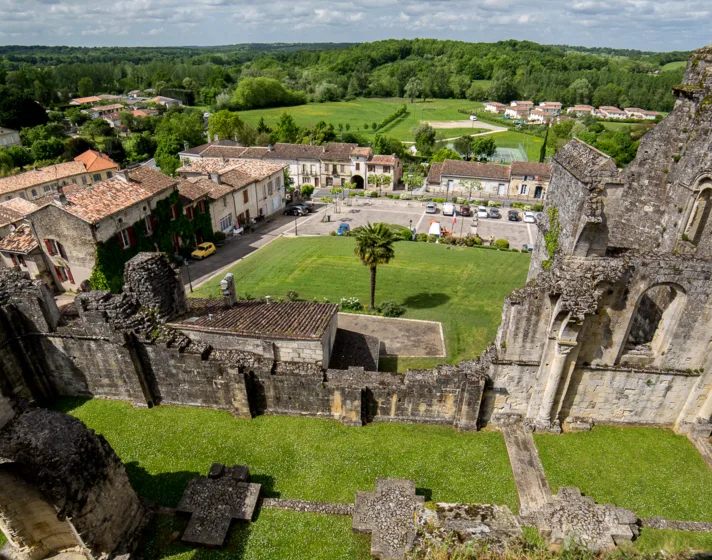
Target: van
x,y
448,209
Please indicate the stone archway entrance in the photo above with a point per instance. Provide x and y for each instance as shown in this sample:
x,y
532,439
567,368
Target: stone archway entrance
x,y
358,181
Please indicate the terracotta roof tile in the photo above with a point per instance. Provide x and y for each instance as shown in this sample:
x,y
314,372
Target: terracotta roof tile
x,y
208,165
337,151
434,173
289,319
214,151
258,170
19,241
255,152
380,159
193,190
474,169
40,176
94,161
283,150
83,100
109,108
361,151
531,168
151,180
8,215
20,205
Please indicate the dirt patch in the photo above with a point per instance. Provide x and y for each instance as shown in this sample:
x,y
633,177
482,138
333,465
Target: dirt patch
x,y
403,338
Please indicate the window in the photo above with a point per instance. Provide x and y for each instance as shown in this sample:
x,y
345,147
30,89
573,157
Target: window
x,y
224,202
386,168
148,220
64,274
342,168
4,141
189,212
13,259
304,169
269,187
358,166
313,170
201,206
46,188
21,260
277,181
125,239
523,189
52,247
74,180
245,196
97,176
329,182
226,223
109,174
174,212
34,193
22,195
371,168
84,180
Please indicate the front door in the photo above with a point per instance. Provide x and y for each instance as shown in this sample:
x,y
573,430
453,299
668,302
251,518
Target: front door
x,y
538,192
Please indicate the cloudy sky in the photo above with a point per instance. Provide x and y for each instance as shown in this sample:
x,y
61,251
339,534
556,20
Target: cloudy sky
x,y
642,24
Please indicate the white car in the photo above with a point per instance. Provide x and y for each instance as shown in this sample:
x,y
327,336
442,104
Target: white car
x,y
448,209
482,212
431,208
473,117
529,218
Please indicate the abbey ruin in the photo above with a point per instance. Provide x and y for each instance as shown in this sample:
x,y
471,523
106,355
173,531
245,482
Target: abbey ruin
x,y
613,326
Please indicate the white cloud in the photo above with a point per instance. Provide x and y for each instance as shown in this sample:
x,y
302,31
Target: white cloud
x,y
641,24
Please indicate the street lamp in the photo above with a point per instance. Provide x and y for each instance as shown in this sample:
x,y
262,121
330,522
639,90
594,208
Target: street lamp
x,y
187,268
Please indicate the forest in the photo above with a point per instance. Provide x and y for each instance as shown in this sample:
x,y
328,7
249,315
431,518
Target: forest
x,y
288,74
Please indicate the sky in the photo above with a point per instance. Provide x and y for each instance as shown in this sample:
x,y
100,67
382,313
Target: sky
x,y
639,24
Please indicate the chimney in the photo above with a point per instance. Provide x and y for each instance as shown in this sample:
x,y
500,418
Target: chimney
x,y
227,286
61,197
123,175
215,177
186,146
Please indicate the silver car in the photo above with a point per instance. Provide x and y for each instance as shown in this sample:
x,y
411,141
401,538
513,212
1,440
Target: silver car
x,y
431,208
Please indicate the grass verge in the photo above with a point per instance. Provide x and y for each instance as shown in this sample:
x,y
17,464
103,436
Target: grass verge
x,y
650,471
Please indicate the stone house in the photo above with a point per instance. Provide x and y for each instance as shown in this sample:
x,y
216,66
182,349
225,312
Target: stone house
x,y
194,196
70,227
20,248
336,164
384,165
9,137
455,175
87,168
529,179
302,159
12,213
495,107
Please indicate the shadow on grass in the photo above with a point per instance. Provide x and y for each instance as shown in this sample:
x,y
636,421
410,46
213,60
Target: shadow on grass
x,y
427,493
69,404
388,364
426,300
165,488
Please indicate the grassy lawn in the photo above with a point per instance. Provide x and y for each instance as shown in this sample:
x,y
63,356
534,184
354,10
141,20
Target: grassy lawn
x,y
361,111
461,287
512,139
301,458
274,534
616,126
677,65
653,472
653,541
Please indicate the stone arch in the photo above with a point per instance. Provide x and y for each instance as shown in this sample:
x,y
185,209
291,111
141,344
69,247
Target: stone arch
x,y
29,521
700,212
652,323
358,181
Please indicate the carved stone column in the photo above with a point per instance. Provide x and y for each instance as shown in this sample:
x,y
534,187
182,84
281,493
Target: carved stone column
x,y
561,353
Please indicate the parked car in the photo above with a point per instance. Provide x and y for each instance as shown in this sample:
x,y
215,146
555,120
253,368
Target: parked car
x,y
343,229
431,208
448,209
473,117
203,250
307,208
527,247
465,210
529,218
482,212
514,216
295,211
494,213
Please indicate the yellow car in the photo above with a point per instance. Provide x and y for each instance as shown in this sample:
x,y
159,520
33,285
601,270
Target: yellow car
x,y
203,250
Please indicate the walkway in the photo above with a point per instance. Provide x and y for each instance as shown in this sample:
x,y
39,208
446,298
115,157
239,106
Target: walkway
x,y
529,477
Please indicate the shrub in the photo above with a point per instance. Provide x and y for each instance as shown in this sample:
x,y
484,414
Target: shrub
x,y
291,295
494,204
350,304
472,240
440,200
422,237
391,308
538,207
218,236
501,244
432,238
372,194
460,200
405,196
448,240
307,190
405,235
332,233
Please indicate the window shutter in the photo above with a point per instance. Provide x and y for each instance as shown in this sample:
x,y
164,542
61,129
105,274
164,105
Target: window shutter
x,y
58,272
62,252
132,237
50,250
69,275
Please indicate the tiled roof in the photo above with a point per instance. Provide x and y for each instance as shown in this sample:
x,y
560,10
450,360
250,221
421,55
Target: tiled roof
x,y
364,152
582,108
208,165
91,99
550,104
255,152
94,161
8,215
289,319
283,150
193,190
4,130
255,170
382,160
108,108
218,191
523,103
540,113
531,168
213,151
610,109
139,113
434,173
197,150
495,104
236,178
474,169
40,176
100,200
337,151
19,241
20,205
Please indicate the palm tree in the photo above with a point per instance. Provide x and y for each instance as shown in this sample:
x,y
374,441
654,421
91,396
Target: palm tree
x,y
374,246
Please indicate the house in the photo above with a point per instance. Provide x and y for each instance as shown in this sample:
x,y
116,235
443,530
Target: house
x,y
70,228
457,176
302,160
12,214
495,107
9,137
517,112
189,154
142,113
336,164
240,192
101,111
386,166
86,100
21,249
87,168
539,116
551,108
636,113
167,102
609,112
581,110
528,179
523,104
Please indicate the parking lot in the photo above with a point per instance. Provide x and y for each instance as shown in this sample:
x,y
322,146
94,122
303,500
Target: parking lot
x,y
359,211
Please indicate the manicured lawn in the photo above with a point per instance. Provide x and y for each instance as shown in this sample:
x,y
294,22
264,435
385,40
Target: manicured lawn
x,y
309,459
653,541
364,111
650,471
461,287
274,534
512,139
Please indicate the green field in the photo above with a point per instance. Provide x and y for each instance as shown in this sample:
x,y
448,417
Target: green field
x,y
461,287
301,458
677,65
651,471
615,126
364,111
